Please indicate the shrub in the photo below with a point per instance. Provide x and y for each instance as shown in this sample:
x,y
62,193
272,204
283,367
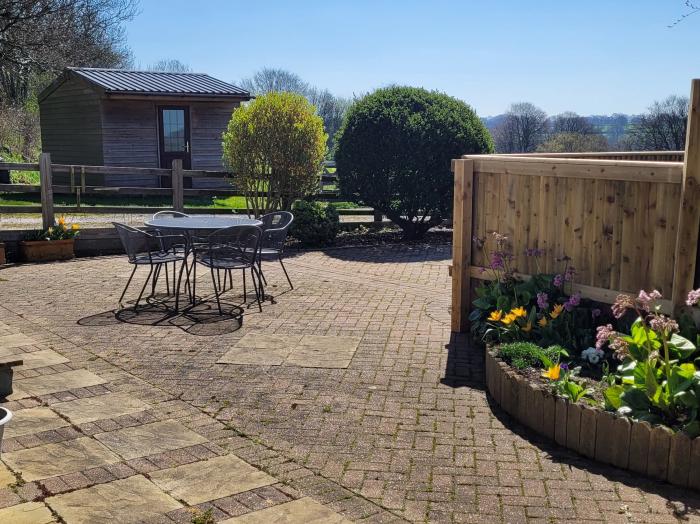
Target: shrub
x,y
394,151
315,224
523,355
274,147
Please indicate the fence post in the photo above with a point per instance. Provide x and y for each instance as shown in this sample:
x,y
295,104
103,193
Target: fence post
x,y
178,186
47,217
689,213
462,244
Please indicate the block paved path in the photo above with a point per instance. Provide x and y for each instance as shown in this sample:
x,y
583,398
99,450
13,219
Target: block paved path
x,y
346,400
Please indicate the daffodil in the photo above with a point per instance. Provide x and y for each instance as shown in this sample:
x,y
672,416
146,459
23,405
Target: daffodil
x,y
527,327
62,221
553,372
75,227
519,312
556,311
509,319
496,315
542,322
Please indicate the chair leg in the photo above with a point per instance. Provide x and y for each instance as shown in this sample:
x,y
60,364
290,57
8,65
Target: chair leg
x,y
262,274
167,280
258,287
216,293
245,292
194,280
179,280
127,286
279,257
154,281
150,272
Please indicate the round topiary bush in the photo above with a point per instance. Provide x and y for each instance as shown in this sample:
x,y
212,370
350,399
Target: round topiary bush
x,y
394,153
314,224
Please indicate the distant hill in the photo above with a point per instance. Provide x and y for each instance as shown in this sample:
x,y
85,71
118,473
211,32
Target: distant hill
x,y
613,127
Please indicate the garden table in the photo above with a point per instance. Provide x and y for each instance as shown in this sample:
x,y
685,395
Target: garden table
x,y
200,226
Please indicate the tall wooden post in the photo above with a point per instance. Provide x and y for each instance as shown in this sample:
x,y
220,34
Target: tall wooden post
x,y
178,186
462,244
689,213
47,217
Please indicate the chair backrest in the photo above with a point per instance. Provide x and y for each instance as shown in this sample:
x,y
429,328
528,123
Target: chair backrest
x,y
239,243
170,214
135,241
275,227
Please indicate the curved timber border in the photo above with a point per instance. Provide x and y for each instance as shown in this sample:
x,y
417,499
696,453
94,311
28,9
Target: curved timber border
x,y
654,451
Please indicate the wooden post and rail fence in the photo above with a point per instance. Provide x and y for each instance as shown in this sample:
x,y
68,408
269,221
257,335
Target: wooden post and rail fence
x,y
629,221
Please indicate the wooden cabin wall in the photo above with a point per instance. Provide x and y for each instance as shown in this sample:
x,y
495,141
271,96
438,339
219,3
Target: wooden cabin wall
x,y
208,120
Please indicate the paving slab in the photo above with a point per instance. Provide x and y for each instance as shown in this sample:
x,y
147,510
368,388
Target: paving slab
x,y
261,349
27,513
47,384
59,458
33,420
303,511
10,343
6,476
211,479
132,499
318,351
36,359
101,407
140,441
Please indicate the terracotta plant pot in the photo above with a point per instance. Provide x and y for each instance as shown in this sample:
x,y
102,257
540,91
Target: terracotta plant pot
x,y
46,250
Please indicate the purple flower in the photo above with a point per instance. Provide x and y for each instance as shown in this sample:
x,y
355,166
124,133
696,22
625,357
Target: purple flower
x,y
534,252
573,301
558,280
564,367
542,300
497,260
569,274
693,297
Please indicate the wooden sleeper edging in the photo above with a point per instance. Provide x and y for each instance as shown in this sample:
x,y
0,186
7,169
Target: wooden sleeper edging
x,y
656,452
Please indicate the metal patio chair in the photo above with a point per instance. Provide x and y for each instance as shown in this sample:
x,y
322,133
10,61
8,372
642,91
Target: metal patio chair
x,y
275,229
171,239
229,249
147,249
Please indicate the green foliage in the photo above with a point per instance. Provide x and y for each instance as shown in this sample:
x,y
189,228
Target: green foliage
x,y
523,355
315,224
274,147
569,387
394,151
658,380
203,517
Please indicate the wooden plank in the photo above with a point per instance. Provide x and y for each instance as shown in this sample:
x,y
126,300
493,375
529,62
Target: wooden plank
x,y
18,166
47,216
113,170
178,186
689,216
462,245
640,171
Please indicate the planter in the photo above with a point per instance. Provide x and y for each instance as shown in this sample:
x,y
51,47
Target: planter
x,y
5,417
3,259
655,452
46,250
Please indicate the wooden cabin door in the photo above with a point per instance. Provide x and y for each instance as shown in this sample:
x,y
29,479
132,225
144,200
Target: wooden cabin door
x,y
174,139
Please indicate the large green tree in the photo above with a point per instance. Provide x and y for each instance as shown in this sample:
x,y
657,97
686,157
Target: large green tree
x,y
394,151
274,147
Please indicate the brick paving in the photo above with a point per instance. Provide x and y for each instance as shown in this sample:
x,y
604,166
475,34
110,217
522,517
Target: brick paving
x,y
405,432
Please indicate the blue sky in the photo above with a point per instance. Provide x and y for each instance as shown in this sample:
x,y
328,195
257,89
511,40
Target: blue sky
x,y
591,56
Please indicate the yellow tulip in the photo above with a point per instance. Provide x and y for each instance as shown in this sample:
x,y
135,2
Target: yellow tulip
x,y
75,227
542,322
519,312
496,315
508,319
552,373
62,221
527,327
556,310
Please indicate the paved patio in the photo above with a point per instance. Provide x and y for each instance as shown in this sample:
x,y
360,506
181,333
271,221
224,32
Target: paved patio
x,y
346,400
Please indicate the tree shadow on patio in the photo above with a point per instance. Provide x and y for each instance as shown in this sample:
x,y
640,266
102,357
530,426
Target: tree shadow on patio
x,y
465,363
392,253
202,319
683,503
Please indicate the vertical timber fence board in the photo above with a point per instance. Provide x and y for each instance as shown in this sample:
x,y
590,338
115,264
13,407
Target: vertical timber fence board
x,y
178,186
47,216
462,244
689,214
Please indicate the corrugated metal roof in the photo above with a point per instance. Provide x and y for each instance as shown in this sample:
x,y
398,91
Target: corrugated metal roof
x,y
158,83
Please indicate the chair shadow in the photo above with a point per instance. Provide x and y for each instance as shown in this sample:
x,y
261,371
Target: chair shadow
x,y
465,368
201,319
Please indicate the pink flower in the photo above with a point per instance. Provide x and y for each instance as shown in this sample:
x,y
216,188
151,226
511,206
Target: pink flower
x,y
573,301
558,280
603,335
693,297
621,305
663,324
645,300
542,300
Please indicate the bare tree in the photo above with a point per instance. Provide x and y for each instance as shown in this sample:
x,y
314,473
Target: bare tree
x,y
692,9
574,143
170,65
569,122
270,79
523,128
331,108
663,127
